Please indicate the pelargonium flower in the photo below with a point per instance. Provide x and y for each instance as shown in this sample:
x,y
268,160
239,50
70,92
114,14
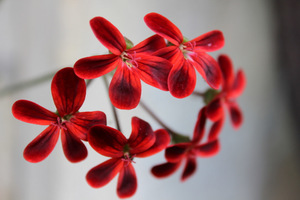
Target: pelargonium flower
x,y
187,55
107,141
133,65
68,92
189,151
232,87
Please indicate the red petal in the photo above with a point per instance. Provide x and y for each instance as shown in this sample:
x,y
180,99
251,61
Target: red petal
x,y
108,35
81,122
176,152
182,79
73,147
125,88
210,41
127,182
164,27
208,68
200,126
68,91
236,115
239,85
142,136
95,66
154,71
215,129
149,45
107,141
161,142
227,71
165,169
42,145
102,174
208,149
30,112
214,110
171,53
189,169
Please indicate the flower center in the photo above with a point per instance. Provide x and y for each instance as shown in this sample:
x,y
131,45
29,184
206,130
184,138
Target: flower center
x,y
130,59
127,158
187,48
60,123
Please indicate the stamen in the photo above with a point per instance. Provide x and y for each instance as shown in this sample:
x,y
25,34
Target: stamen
x,y
59,123
127,159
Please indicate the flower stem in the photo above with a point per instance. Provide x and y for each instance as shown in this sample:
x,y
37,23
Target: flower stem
x,y
25,85
112,106
202,94
176,137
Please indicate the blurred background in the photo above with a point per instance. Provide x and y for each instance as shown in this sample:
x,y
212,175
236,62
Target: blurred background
x,y
257,162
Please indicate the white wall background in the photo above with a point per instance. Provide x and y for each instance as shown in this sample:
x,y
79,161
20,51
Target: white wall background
x,y
40,37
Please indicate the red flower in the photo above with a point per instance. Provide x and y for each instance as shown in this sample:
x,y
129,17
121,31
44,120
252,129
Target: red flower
x,y
232,87
68,92
185,55
110,142
132,64
189,151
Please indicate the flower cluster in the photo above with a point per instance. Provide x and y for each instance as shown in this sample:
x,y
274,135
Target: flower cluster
x,y
167,61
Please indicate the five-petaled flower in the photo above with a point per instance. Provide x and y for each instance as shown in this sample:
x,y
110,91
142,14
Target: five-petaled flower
x,y
232,87
133,65
68,92
189,151
187,55
107,141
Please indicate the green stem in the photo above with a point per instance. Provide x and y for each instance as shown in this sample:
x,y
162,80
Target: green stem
x,y
112,106
25,85
176,137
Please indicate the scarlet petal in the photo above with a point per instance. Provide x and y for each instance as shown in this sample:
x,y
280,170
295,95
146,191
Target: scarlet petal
x,y
42,145
30,112
161,142
108,35
68,91
208,149
73,147
125,88
149,45
210,41
236,115
81,122
239,85
189,169
104,173
154,71
164,27
171,53
200,126
176,152
182,79
215,129
107,141
127,182
208,68
226,67
142,136
165,169
214,110
95,66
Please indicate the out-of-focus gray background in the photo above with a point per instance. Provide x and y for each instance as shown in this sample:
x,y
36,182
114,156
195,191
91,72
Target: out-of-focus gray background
x,y
258,162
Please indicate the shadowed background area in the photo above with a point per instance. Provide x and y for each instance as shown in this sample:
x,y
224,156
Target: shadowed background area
x,y
258,161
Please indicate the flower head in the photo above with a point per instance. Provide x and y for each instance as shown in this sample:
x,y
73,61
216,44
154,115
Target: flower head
x,y
187,55
232,87
107,141
133,65
189,151
68,92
